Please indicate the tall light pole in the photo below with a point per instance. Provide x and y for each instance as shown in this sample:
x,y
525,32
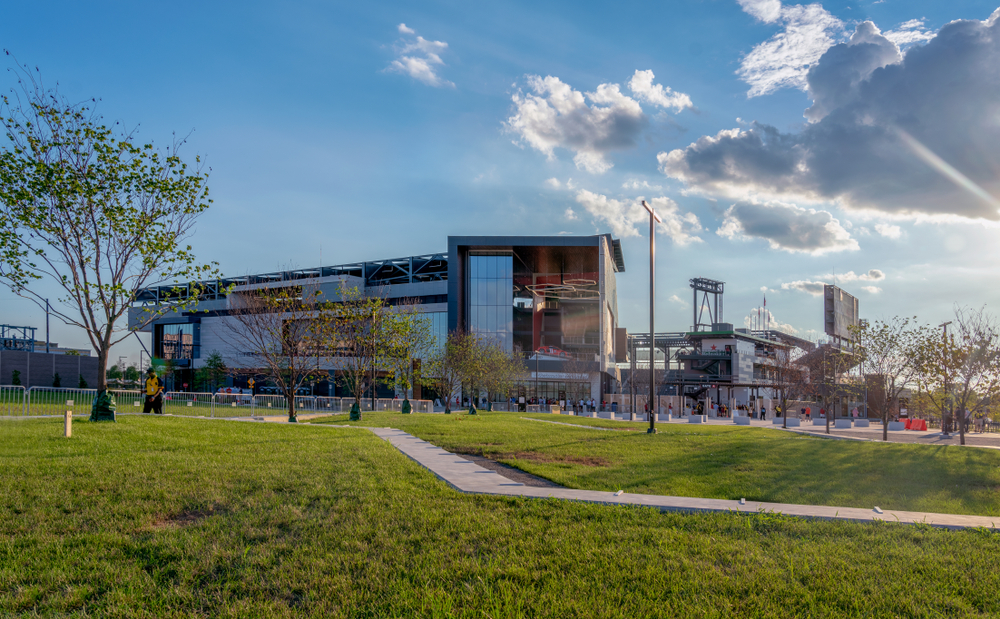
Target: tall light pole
x,y
653,219
947,390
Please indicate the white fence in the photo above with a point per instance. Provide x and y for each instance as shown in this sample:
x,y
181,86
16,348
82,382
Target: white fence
x,y
16,401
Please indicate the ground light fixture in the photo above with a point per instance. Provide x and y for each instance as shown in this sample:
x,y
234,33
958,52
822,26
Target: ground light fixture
x,y
651,402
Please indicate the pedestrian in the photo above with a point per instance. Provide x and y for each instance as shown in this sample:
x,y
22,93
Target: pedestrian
x,y
763,413
154,393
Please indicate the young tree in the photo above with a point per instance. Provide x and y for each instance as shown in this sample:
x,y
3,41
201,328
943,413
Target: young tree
x,y
961,371
56,381
212,372
889,355
279,333
503,370
132,374
410,338
793,376
443,368
94,210
370,337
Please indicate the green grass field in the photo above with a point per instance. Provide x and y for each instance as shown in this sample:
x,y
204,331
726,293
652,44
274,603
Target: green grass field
x,y
721,462
169,517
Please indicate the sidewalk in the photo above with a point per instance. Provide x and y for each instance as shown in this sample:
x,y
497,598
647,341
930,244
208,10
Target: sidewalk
x,y
466,476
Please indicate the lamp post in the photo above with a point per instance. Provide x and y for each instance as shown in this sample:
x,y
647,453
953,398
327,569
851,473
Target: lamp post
x,y
653,219
947,390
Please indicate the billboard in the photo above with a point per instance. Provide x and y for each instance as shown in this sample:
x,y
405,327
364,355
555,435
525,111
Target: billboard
x,y
840,312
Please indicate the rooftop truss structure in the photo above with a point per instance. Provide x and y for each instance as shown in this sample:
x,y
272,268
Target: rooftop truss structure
x,y
410,270
711,300
17,338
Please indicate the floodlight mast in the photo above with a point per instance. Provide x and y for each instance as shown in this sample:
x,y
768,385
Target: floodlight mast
x,y
652,401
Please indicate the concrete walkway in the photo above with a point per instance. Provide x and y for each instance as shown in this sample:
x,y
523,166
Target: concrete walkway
x,y
466,476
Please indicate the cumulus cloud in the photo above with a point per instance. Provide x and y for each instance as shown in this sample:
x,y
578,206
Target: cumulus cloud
x,y
911,134
554,115
570,214
909,32
805,285
815,288
419,58
678,301
889,231
659,95
763,317
636,184
553,183
625,216
783,60
786,227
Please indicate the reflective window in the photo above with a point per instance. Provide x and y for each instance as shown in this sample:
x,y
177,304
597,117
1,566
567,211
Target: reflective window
x,y
490,296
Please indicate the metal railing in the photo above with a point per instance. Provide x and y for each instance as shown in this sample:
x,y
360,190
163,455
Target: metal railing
x,y
17,401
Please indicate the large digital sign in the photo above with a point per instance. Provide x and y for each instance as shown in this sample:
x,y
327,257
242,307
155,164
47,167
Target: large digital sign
x,y
840,312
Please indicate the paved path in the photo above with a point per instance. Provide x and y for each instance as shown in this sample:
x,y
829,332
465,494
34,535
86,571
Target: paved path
x,y
466,476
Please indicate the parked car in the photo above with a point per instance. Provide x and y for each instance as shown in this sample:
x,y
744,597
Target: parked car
x,y
552,351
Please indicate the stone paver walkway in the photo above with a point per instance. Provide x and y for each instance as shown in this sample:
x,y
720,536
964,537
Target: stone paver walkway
x,y
466,476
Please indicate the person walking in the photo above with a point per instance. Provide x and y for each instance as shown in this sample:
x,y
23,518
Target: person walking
x,y
763,413
154,393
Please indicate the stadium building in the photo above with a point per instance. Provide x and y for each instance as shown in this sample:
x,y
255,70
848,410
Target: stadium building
x,y
553,299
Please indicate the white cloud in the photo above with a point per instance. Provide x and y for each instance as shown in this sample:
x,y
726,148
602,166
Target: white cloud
x,y
419,58
889,231
642,87
909,32
554,116
787,227
636,184
872,289
873,275
570,214
553,183
625,216
910,135
783,60
804,285
678,301
764,318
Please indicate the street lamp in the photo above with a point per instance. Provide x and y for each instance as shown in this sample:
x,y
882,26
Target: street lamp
x,y
653,219
947,390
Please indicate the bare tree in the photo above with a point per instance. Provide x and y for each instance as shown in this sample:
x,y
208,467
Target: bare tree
x,y
443,371
278,332
94,210
961,372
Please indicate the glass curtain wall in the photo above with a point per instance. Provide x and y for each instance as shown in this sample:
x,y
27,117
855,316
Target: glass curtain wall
x,y
176,341
491,292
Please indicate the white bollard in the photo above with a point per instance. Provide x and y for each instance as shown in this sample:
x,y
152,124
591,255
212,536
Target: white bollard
x,y
68,425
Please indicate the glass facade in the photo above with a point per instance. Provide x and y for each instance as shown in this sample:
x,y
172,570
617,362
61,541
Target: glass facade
x,y
439,327
176,341
490,296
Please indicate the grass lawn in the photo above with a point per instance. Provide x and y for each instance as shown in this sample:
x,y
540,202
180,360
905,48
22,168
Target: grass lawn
x,y
721,462
180,517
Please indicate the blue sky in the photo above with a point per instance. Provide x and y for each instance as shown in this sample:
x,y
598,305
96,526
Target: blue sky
x,y
334,130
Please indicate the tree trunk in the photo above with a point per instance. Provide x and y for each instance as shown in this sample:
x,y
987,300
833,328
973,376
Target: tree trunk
x,y
102,368
291,407
885,424
961,427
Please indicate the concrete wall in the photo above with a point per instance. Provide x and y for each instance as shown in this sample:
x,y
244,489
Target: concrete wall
x,y
38,369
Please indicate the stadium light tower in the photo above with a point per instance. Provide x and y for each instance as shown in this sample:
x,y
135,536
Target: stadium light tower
x,y
653,219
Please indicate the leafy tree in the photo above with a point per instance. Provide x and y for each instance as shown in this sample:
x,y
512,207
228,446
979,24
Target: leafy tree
x,y
278,333
889,355
212,373
83,383
132,374
961,372
56,381
410,338
15,379
113,373
371,337
503,369
94,210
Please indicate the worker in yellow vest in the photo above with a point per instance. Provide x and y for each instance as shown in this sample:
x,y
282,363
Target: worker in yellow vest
x,y
154,393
